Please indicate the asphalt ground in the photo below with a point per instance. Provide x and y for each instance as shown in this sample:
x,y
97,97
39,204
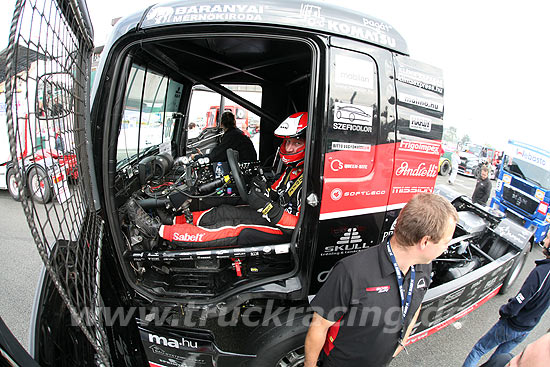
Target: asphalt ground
x,y
20,267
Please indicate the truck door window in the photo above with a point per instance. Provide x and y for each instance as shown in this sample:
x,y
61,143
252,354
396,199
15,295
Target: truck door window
x,y
204,112
150,100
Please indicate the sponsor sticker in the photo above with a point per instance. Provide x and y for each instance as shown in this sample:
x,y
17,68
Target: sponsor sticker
x,y
376,25
507,179
336,194
354,71
351,127
215,12
380,289
420,123
336,145
539,194
499,185
422,170
531,157
352,113
421,102
420,147
411,189
419,79
350,242
337,165
312,15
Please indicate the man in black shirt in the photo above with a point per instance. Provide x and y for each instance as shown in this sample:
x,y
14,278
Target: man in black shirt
x,y
483,188
235,139
368,305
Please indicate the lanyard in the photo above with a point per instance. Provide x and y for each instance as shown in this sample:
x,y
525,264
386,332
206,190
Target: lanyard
x,y
405,303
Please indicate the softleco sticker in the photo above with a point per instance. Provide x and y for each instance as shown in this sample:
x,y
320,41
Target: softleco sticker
x,y
507,178
539,194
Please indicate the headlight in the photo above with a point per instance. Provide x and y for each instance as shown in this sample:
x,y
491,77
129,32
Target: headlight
x,y
471,164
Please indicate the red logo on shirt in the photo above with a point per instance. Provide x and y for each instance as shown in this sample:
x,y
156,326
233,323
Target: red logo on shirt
x,y
380,289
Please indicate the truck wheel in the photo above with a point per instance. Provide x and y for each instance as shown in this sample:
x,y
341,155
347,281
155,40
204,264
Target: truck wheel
x,y
477,172
514,271
13,186
39,185
280,346
284,350
445,168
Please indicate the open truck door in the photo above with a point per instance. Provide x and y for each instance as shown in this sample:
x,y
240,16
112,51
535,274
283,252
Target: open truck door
x,y
49,56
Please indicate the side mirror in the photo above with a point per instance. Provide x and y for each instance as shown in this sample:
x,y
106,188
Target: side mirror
x,y
54,96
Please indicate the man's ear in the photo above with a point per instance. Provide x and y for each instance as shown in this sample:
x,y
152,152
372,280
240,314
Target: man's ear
x,y
424,242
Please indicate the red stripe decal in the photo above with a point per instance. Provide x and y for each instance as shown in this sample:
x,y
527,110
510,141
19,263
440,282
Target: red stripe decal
x,y
151,364
458,316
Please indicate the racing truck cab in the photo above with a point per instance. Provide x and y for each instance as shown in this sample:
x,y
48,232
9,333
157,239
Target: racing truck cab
x,y
375,121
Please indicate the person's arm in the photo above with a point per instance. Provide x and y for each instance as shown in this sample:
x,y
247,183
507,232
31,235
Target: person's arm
x,y
409,330
527,290
315,339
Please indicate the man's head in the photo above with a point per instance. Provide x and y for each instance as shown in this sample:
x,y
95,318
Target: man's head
x,y
546,246
293,130
484,172
428,222
228,120
536,354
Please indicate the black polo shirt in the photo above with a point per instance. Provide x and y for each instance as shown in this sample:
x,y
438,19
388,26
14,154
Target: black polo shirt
x,y
362,296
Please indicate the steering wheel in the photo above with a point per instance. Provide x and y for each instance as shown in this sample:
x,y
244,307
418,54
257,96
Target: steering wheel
x,y
232,159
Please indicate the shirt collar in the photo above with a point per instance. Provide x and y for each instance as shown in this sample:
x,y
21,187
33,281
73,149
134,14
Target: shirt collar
x,y
386,265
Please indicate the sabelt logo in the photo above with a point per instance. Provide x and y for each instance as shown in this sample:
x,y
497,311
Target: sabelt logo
x,y
172,342
419,147
188,237
420,171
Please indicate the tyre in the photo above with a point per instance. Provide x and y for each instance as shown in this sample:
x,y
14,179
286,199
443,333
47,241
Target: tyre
x,y
445,168
281,346
514,272
13,186
39,185
477,172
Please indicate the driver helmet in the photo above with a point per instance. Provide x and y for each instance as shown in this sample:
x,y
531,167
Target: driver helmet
x,y
294,126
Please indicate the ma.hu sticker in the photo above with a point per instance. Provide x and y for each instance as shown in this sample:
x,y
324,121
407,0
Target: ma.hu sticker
x,y
354,114
355,72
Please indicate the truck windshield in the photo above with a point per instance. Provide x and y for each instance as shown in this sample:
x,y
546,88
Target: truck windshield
x,y
530,172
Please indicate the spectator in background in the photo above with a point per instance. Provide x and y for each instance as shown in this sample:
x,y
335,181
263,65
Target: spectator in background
x,y
455,160
235,139
483,188
519,316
